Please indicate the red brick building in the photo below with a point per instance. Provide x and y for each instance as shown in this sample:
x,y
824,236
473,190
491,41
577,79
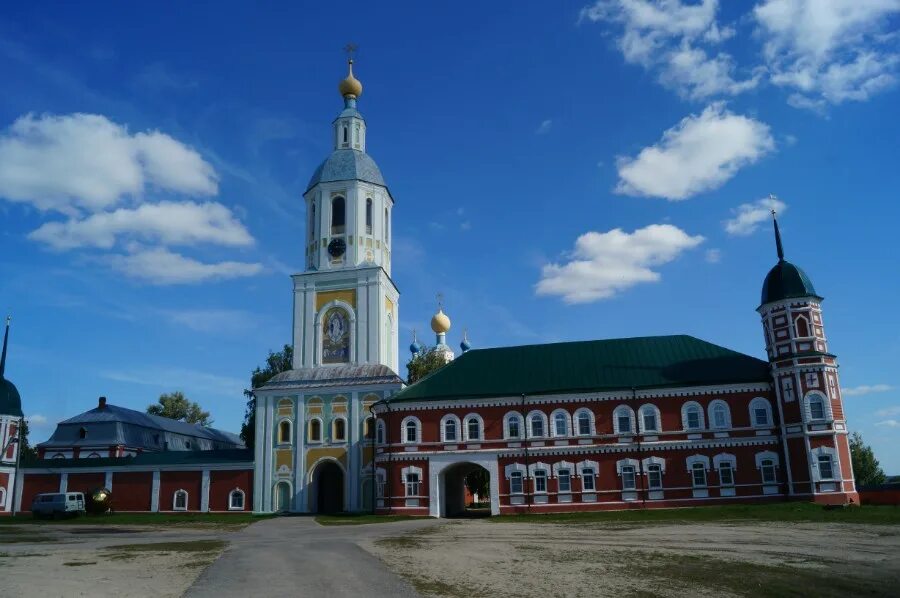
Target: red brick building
x,y
623,423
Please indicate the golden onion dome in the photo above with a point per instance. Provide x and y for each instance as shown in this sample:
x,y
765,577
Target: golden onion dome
x,y
350,86
440,323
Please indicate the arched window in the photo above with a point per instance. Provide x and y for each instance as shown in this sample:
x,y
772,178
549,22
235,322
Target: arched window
x,y
379,432
537,424
369,428
719,415
512,426
692,416
368,216
623,420
338,215
697,466
649,419
387,227
560,424
450,428
725,464
411,430
473,427
760,413
339,430
802,327
315,430
584,422
236,500
180,500
767,464
816,408
345,135
284,431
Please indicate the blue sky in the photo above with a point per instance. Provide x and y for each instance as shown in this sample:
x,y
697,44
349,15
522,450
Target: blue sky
x,y
561,170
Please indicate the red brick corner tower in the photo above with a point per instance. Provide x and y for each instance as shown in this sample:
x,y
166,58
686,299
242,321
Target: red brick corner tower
x,y
813,428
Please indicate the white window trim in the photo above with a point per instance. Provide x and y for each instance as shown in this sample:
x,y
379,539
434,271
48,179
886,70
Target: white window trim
x,y
2,499
627,462
592,429
655,409
466,427
380,432
522,424
712,414
187,500
405,472
700,415
243,500
546,472
309,435
582,465
453,418
553,432
826,407
563,465
835,463
543,417
515,467
648,461
522,478
764,402
334,421
539,465
406,420
761,456
697,459
724,458
630,412
380,478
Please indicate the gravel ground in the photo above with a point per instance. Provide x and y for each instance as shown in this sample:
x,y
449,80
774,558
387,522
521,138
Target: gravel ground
x,y
482,558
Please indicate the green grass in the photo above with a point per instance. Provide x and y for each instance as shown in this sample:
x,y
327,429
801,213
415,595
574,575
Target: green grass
x,y
360,518
190,519
796,512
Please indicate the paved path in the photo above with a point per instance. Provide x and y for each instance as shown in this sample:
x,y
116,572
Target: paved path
x,y
295,556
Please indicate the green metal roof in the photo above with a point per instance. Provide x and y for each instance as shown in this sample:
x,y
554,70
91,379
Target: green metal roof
x,y
786,281
162,458
587,366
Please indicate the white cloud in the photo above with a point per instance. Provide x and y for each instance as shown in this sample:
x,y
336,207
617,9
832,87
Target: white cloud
x,y
698,154
828,50
888,412
603,264
37,420
178,223
889,423
713,256
544,127
672,38
748,216
865,389
87,162
162,267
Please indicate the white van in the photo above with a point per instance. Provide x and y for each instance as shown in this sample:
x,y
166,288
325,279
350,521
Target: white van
x,y
57,504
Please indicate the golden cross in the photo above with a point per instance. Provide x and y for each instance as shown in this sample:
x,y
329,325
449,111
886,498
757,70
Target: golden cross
x,y
350,49
440,300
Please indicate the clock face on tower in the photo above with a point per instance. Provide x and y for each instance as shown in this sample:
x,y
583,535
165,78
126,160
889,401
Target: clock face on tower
x,y
337,247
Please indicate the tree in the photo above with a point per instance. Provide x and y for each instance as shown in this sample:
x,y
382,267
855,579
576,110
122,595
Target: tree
x,y
275,364
422,364
477,483
865,466
26,451
175,405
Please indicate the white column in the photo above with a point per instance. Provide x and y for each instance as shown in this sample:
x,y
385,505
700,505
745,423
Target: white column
x,y
352,481
107,483
204,492
259,469
154,493
63,482
299,453
267,454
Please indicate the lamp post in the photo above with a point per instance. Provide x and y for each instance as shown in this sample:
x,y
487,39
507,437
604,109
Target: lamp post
x,y
9,443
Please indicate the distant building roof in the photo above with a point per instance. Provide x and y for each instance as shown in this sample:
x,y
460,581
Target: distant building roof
x,y
339,375
167,458
587,366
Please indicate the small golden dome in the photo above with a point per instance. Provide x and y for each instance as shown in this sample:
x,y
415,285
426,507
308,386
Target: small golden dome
x,y
350,87
440,323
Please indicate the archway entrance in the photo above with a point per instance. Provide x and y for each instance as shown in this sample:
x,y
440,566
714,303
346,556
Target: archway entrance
x,y
329,483
465,491
282,497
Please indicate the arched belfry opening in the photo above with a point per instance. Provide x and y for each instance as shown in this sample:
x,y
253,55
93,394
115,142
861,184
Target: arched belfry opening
x,y
328,488
465,491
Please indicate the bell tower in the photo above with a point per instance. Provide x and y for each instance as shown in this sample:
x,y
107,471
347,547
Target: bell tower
x,y
345,303
805,374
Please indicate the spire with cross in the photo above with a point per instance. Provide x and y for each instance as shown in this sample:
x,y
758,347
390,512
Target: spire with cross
x,y
778,246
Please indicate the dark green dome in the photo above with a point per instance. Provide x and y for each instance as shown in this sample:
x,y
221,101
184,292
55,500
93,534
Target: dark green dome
x,y
786,281
10,401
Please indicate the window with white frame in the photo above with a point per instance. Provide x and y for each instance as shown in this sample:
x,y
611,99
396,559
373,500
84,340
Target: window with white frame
x,y
379,432
649,419
513,426
515,482
412,480
767,469
628,478
698,475
719,414
726,473
560,423
826,467
584,422
315,430
623,420
540,481
537,424
654,477
473,427
380,480
284,431
236,500
587,479
450,428
815,407
760,413
410,429
180,500
692,416
339,430
564,480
